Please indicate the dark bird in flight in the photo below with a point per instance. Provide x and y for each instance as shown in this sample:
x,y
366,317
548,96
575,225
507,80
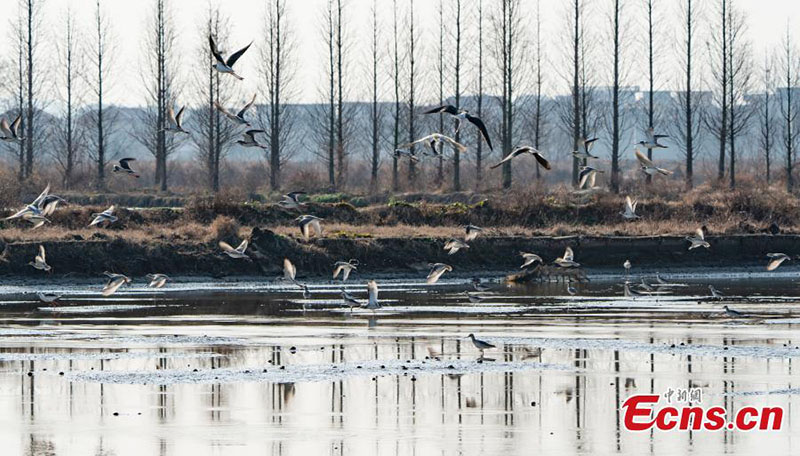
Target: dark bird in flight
x,y
463,114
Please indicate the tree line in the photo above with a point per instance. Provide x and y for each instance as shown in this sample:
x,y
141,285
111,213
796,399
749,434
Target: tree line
x,y
492,57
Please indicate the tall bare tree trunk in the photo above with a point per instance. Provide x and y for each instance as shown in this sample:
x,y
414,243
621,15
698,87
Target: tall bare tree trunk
x,y
479,148
412,76
457,75
576,100
396,80
615,129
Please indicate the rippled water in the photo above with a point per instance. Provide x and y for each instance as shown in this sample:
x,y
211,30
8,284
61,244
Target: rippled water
x,y
260,370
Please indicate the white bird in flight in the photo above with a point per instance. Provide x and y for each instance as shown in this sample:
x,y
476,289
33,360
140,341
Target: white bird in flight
x,y
238,252
775,260
472,232
157,280
433,140
530,258
345,268
250,139
222,65
567,260
107,217
10,133
652,140
175,121
521,151
698,239
239,116
437,269
584,148
629,210
648,167
40,261
309,223
114,282
463,114
454,245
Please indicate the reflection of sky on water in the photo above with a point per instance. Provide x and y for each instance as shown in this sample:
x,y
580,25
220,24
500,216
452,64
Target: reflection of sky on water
x,y
129,385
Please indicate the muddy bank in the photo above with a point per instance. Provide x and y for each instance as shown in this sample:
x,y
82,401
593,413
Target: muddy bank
x,y
378,255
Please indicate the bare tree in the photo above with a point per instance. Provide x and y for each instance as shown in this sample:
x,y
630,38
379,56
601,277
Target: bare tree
x,y
396,82
767,126
739,83
539,117
508,28
616,127
789,102
68,137
457,90
32,75
212,135
375,113
574,120
687,109
159,75
440,70
101,120
412,79
277,70
479,98
718,50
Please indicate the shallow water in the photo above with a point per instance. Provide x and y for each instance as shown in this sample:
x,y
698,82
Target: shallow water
x,y
207,371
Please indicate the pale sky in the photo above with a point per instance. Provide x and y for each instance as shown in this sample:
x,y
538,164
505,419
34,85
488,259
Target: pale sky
x,y
766,22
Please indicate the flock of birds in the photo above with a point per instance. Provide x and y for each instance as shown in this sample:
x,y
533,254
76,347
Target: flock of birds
x,y
45,204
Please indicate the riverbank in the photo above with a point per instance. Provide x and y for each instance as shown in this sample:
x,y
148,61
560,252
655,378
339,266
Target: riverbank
x,y
315,258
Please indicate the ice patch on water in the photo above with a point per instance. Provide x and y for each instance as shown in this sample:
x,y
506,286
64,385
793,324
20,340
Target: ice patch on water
x,y
309,372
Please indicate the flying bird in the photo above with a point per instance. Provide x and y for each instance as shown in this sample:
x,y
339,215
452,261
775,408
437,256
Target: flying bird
x,y
345,268
471,232
399,153
454,245
309,223
775,260
584,148
114,282
463,114
530,258
648,167
157,280
629,210
107,217
291,200
239,116
433,140
698,239
10,133
250,139
567,260
36,211
238,252
289,271
437,270
588,175
124,167
652,140
175,122
226,66
40,261
524,150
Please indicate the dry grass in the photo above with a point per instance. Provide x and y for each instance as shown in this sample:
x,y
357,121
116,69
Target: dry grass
x,y
664,211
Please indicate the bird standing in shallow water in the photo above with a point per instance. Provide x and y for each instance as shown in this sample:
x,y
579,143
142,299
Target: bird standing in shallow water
x,y
480,344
